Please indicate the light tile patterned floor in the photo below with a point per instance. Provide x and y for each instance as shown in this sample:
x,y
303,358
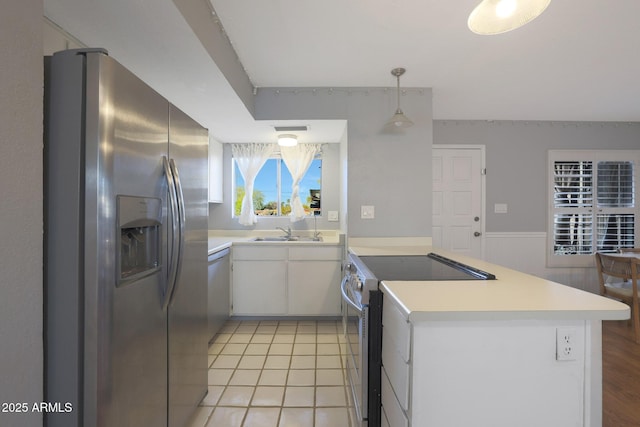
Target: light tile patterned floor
x,y
274,373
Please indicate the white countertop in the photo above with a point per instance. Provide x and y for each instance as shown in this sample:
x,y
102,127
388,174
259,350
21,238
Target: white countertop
x,y
513,295
222,239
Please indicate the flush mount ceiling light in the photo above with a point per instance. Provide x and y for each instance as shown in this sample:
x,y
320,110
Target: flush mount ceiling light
x,y
399,120
287,140
500,16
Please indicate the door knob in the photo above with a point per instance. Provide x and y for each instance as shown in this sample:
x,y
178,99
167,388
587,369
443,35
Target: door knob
x,y
477,233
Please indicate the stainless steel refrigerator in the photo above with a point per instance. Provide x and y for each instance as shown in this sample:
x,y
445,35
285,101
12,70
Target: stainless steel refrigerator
x,y
126,249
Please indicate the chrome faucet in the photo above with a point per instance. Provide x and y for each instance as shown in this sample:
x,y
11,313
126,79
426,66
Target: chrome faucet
x,y
316,233
287,232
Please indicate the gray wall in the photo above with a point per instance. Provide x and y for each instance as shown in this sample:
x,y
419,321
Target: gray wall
x,y
21,360
220,213
516,159
386,169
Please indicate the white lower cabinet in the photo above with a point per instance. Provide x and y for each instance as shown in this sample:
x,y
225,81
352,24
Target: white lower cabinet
x,y
313,288
286,280
259,280
259,287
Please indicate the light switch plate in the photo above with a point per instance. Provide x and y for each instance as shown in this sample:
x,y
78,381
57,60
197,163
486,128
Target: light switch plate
x,y
500,208
332,216
367,212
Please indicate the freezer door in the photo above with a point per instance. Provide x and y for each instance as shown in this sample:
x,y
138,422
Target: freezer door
x,y
188,153
112,347
130,344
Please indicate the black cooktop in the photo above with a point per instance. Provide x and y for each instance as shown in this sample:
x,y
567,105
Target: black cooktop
x,y
421,267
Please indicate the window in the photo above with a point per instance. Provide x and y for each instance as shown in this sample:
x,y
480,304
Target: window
x,y
273,186
593,197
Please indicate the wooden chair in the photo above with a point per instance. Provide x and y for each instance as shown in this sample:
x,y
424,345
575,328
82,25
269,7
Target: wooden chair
x,y
626,269
632,250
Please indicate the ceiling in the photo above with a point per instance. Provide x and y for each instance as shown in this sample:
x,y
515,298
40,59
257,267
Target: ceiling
x,y
579,61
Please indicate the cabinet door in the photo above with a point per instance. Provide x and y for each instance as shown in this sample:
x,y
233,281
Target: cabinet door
x,y
259,287
314,288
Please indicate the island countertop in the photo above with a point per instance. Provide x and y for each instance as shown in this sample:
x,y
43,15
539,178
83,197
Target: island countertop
x,y
512,296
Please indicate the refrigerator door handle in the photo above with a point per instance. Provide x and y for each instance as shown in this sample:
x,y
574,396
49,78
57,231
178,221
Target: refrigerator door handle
x,y
172,272
181,225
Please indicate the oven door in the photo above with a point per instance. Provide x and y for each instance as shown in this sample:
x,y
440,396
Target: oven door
x,y
354,319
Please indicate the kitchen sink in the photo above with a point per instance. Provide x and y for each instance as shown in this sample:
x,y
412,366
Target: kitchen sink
x,y
287,239
271,239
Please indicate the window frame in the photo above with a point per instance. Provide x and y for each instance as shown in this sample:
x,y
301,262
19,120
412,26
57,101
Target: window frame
x,y
591,212
280,167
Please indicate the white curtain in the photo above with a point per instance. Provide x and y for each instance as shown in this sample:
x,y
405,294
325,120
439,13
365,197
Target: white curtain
x,y
250,158
298,159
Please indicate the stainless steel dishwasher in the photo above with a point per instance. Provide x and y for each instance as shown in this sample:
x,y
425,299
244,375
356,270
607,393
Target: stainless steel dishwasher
x,y
219,296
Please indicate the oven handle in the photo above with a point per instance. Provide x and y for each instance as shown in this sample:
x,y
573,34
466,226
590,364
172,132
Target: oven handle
x,y
345,297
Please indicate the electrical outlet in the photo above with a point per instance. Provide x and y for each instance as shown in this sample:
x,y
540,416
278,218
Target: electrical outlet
x,y
566,344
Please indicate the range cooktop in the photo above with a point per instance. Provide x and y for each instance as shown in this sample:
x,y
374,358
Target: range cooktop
x,y
421,267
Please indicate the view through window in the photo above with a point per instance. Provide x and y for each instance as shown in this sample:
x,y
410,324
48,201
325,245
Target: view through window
x,y
273,186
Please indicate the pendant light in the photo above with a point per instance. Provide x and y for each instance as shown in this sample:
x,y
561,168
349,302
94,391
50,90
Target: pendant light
x,y
287,140
399,120
500,16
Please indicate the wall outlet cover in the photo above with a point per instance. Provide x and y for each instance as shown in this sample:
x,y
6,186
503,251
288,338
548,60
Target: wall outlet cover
x,y
566,345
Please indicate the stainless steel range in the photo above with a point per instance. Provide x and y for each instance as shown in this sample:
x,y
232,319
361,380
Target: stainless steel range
x,y
362,315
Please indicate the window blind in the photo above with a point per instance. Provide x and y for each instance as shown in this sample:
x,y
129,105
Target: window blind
x,y
573,184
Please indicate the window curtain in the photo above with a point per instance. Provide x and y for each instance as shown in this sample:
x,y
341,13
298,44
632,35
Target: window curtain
x,y
250,158
298,159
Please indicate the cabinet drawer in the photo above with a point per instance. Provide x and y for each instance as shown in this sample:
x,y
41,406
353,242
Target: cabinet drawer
x,y
264,253
396,328
397,371
392,412
315,253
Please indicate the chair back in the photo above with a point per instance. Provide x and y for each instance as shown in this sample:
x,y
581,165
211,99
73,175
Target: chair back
x,y
620,266
632,250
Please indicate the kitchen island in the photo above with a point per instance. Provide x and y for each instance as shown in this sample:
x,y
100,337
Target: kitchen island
x,y
518,350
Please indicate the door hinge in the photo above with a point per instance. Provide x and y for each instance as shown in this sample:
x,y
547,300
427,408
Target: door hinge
x,y
483,171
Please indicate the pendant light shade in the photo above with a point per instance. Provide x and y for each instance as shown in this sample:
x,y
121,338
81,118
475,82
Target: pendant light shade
x,y
287,140
500,16
399,120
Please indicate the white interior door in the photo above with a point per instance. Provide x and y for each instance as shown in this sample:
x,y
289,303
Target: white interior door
x,y
458,199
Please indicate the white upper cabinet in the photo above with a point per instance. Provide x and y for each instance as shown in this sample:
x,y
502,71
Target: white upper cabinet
x,y
215,171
